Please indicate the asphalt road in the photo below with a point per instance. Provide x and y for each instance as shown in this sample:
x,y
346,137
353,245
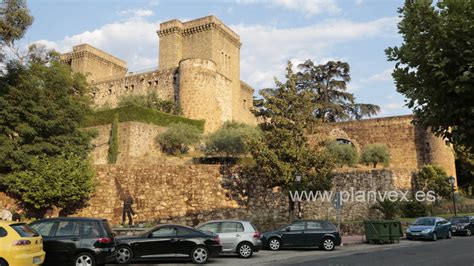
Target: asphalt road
x,y
452,252
456,251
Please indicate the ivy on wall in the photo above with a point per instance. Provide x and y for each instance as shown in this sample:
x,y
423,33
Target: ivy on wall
x,y
113,141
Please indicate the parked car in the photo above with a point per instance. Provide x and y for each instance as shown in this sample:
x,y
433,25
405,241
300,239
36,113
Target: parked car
x,y
20,245
303,233
240,237
80,241
430,228
169,241
462,225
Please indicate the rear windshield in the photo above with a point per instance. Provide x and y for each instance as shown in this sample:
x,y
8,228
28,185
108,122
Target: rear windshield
x,y
24,230
459,220
254,228
107,228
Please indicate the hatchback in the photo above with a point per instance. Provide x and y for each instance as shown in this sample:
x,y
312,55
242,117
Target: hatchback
x,y
303,233
240,237
430,228
20,245
80,241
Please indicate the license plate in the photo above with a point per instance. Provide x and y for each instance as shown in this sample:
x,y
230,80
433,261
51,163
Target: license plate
x,y
415,234
454,230
36,260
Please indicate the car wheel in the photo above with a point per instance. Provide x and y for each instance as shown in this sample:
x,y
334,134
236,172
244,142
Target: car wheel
x,y
449,235
245,250
200,255
3,262
409,238
124,255
274,244
435,237
328,244
84,259
468,232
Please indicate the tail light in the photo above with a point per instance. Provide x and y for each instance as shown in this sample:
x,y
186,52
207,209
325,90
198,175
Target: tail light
x,y
21,243
257,235
217,239
105,240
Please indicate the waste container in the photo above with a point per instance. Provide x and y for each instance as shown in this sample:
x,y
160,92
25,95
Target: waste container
x,y
383,231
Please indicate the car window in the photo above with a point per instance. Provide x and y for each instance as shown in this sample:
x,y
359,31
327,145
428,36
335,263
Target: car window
x,y
89,229
3,232
184,232
164,231
66,228
254,227
211,227
24,230
43,228
314,225
298,226
424,221
230,227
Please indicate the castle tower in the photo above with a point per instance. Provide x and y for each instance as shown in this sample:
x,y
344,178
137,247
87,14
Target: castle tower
x,y
95,64
439,153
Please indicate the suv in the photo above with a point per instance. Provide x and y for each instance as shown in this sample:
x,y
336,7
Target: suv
x,y
239,237
81,241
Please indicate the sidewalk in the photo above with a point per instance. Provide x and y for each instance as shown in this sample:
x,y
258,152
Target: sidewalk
x,y
353,240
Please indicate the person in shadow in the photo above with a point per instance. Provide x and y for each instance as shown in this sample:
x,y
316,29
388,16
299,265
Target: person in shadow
x,y
127,208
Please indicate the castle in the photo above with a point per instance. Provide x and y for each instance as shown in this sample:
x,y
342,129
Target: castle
x,y
198,69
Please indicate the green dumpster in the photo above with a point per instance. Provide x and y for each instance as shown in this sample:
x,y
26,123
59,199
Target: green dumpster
x,y
383,231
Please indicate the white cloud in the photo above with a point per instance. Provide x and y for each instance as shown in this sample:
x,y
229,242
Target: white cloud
x,y
382,76
359,2
136,13
266,49
307,7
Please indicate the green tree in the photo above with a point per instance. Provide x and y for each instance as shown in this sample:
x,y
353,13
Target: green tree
x,y
389,209
41,108
434,178
413,208
15,19
374,154
345,154
62,181
232,139
328,84
178,137
283,151
113,141
435,66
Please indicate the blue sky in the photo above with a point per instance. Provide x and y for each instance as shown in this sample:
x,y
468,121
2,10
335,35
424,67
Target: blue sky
x,y
272,32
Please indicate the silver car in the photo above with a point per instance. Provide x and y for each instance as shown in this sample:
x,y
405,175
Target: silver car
x,y
239,237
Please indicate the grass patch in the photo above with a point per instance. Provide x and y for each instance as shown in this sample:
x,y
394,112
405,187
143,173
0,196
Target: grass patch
x,y
138,114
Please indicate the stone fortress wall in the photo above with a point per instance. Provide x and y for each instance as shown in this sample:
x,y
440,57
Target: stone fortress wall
x,y
199,69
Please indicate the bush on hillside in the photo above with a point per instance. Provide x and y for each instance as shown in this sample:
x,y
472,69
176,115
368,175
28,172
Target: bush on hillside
x,y
231,139
344,154
178,138
152,101
413,209
374,154
433,178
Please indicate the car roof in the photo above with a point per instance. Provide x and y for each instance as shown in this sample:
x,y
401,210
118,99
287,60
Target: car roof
x,y
174,225
70,219
223,221
5,223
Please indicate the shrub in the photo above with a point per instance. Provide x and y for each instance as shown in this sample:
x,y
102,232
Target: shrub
x,y
152,101
375,153
344,154
412,209
113,141
60,181
433,178
177,139
138,114
388,208
231,139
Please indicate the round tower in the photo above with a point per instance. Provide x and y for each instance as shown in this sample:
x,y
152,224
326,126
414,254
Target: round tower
x,y
198,90
440,153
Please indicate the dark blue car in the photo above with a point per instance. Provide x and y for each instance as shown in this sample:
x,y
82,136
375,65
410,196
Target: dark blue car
x,y
430,228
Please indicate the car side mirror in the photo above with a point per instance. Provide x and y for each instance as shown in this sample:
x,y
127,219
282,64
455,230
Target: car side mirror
x,y
288,229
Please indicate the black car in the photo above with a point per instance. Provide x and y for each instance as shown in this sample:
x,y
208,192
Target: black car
x,y
303,233
462,225
77,241
169,241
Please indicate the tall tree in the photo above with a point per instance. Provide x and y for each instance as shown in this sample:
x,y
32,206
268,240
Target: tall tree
x,y
283,151
328,85
435,66
15,19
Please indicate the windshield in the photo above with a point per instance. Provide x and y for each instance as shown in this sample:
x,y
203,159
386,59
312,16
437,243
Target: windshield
x,y
424,221
459,220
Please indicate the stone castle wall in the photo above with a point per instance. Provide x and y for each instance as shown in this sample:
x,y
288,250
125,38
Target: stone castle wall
x,y
410,146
